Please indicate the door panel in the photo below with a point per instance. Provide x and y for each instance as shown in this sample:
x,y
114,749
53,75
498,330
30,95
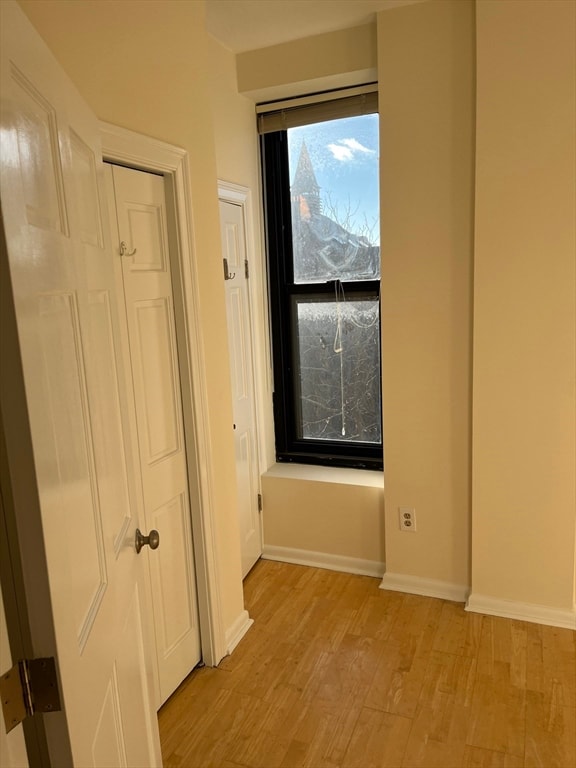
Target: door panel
x,y
160,405
145,225
67,410
137,205
87,197
172,568
133,686
242,380
42,182
108,743
62,280
107,427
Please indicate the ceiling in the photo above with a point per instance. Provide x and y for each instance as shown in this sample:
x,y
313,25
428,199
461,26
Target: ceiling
x,y
244,25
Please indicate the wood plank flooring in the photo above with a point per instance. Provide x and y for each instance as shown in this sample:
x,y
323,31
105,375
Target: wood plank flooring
x,y
337,673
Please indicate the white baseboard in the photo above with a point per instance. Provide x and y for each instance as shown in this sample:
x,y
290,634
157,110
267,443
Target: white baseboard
x,y
236,632
416,585
324,560
510,609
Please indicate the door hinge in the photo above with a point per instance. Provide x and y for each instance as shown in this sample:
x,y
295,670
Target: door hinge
x,y
246,269
31,686
259,502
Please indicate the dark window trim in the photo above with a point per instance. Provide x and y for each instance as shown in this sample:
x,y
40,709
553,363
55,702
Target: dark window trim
x,y
278,224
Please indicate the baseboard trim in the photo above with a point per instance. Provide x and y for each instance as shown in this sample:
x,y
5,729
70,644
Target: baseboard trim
x,y
324,560
510,609
236,632
416,585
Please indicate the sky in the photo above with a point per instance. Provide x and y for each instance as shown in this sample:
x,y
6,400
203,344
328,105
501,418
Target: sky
x,y
345,156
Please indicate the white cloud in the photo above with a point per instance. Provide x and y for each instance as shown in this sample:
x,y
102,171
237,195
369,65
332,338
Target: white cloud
x,y
355,146
345,149
340,152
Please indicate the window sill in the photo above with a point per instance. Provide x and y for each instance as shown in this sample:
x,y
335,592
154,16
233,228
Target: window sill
x,y
368,478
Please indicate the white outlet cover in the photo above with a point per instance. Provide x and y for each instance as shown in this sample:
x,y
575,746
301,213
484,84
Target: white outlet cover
x,y
407,519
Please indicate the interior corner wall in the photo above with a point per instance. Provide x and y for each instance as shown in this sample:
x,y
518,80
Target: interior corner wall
x,y
426,93
524,468
142,64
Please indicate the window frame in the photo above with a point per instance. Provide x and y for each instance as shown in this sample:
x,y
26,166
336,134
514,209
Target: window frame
x,y
282,290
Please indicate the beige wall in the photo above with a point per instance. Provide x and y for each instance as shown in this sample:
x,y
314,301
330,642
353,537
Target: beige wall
x,y
333,60
143,66
234,121
426,81
342,519
524,470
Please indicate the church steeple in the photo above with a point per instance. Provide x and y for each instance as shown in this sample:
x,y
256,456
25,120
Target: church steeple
x,y
305,187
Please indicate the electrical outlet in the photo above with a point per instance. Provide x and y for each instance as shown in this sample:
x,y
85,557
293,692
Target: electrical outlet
x,y
407,517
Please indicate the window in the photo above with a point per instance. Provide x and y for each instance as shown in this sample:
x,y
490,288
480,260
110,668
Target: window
x,y
322,225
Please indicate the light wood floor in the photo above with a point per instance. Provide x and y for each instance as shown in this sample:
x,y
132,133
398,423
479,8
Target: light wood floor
x,y
336,672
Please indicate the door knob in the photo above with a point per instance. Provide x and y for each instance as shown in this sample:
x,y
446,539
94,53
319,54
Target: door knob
x,y
153,540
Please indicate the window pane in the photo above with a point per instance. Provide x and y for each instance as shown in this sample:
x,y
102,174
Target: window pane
x,y
334,194
338,370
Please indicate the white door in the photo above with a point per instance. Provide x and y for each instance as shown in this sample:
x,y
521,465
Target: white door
x,y
241,368
138,219
66,311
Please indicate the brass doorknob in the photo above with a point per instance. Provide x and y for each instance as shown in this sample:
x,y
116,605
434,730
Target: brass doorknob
x,y
153,540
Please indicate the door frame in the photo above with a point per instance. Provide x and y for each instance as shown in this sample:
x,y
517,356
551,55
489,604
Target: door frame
x,y
125,147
